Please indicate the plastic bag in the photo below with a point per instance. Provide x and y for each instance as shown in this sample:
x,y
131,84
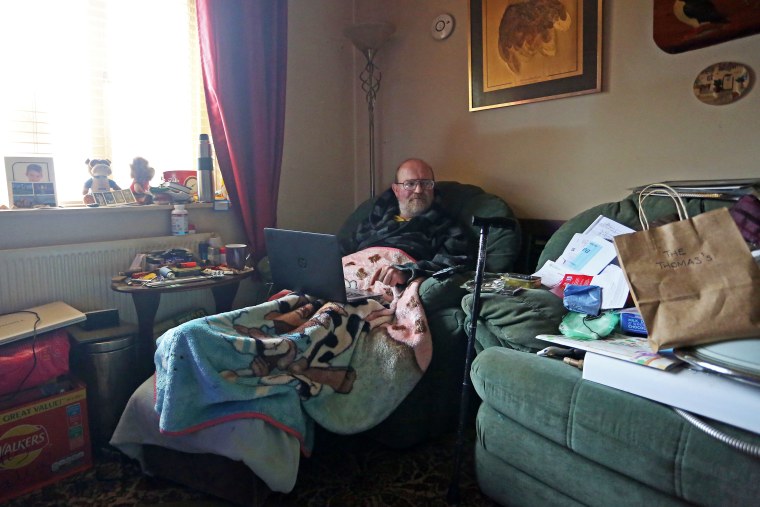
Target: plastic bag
x,y
585,327
586,299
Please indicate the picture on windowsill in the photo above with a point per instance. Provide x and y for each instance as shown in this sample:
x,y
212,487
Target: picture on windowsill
x,y
114,198
31,182
129,197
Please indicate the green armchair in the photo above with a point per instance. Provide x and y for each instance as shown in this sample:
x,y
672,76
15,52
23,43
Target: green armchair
x,y
431,409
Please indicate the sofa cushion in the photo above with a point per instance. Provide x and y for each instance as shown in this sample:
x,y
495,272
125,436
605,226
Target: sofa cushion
x,y
517,466
644,440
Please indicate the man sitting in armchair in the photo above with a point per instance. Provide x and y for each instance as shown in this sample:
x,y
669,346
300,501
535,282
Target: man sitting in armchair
x,y
410,217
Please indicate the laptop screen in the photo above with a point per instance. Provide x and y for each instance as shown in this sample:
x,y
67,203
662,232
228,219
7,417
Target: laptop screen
x,y
306,262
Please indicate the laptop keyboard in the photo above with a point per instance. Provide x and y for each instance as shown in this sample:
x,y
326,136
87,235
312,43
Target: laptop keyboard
x,y
356,293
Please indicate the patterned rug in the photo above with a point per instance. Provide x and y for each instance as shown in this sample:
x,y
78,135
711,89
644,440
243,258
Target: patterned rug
x,y
351,471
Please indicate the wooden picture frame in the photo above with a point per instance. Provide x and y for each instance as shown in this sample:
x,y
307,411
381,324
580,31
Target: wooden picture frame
x,y
563,61
678,28
31,182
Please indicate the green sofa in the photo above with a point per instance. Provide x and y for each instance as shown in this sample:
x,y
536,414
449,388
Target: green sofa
x,y
432,408
547,437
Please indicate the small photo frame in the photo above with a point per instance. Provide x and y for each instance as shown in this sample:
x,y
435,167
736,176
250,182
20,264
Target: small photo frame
x,y
118,196
129,197
110,199
31,182
99,198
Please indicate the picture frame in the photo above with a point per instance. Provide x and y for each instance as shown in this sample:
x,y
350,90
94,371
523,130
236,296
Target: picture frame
x,y
110,199
508,67
31,182
99,198
129,197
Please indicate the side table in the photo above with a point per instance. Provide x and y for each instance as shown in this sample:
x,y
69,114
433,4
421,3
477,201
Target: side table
x,y
147,299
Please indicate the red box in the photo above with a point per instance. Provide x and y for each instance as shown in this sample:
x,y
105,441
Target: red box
x,y
44,441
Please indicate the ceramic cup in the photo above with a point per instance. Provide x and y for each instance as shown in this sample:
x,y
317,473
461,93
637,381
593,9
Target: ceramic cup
x,y
237,255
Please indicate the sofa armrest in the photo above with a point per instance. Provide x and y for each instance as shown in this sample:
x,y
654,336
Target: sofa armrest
x,y
515,321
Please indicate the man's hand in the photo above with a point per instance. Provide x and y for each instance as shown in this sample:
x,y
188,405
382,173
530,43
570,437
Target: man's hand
x,y
390,276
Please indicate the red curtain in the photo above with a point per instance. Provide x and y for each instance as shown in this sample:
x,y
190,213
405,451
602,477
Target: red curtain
x,y
243,57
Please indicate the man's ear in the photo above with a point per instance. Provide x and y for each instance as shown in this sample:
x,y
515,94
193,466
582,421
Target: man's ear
x,y
396,190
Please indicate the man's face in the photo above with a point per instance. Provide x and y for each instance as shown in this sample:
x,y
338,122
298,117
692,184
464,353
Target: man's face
x,y
416,201
34,175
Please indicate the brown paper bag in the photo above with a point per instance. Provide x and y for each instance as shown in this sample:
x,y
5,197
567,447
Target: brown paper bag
x,y
694,281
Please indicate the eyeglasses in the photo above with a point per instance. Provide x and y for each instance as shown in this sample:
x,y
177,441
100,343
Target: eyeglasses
x,y
412,184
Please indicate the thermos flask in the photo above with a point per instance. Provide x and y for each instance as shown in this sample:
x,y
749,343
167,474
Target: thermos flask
x,y
205,171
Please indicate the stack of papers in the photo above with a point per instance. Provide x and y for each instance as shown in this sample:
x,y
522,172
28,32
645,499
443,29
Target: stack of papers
x,y
590,259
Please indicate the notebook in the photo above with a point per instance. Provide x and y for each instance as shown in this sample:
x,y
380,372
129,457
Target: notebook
x,y
19,325
310,263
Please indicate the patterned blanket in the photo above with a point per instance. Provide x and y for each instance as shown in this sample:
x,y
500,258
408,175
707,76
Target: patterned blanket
x,y
297,360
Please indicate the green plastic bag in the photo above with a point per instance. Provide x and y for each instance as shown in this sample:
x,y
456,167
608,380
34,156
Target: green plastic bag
x,y
588,327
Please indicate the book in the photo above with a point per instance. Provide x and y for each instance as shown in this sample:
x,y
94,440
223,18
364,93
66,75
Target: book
x,y
632,349
702,393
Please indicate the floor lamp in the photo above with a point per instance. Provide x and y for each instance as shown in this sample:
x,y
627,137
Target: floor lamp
x,y
368,38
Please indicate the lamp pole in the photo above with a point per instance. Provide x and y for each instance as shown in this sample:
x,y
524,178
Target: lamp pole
x,y
368,38
370,78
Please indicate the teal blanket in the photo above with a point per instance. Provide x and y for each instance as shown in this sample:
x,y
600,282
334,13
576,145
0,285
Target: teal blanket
x,y
293,362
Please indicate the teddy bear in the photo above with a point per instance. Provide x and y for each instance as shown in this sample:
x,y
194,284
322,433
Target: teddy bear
x,y
141,174
100,181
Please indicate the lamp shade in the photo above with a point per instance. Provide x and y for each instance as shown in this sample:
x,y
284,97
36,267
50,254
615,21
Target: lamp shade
x,y
369,36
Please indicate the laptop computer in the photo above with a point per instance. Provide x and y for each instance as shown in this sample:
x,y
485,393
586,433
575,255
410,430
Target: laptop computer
x,y
19,325
310,263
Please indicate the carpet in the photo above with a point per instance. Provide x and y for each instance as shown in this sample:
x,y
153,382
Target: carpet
x,y
348,471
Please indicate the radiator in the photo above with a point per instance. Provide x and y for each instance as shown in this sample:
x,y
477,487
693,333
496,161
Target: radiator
x,y
80,275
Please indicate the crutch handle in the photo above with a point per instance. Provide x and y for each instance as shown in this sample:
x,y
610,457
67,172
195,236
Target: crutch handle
x,y
498,222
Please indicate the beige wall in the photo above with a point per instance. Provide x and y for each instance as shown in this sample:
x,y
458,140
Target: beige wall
x,y
317,187
555,158
549,159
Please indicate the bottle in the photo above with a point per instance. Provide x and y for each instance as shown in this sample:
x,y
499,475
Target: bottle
x,y
222,255
205,171
215,240
179,220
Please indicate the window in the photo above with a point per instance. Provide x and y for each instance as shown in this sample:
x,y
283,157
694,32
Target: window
x,y
101,79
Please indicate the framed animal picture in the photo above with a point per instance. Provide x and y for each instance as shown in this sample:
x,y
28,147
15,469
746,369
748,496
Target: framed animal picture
x,y
684,25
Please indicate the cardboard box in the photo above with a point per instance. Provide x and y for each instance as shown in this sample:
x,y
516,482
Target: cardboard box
x,y
44,441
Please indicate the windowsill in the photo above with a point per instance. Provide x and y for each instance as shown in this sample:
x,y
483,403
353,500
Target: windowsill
x,y
108,209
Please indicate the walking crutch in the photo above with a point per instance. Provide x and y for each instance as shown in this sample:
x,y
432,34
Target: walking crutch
x,y
485,225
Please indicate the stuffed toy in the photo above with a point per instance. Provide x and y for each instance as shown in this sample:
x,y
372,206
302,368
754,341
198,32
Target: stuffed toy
x,y
141,173
100,170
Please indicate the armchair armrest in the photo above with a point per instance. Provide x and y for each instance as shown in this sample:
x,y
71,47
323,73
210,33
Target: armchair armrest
x,y
515,321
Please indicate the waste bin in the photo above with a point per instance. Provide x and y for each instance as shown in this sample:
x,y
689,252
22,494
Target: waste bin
x,y
106,360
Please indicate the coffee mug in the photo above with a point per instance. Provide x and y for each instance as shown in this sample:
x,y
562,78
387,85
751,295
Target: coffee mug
x,y
237,255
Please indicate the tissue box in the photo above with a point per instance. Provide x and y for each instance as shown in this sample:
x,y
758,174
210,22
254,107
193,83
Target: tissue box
x,y
631,322
44,441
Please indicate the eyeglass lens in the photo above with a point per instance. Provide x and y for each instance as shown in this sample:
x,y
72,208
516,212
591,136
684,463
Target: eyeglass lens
x,y
412,184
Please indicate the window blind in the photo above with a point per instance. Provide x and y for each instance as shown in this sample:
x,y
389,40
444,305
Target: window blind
x,y
101,79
